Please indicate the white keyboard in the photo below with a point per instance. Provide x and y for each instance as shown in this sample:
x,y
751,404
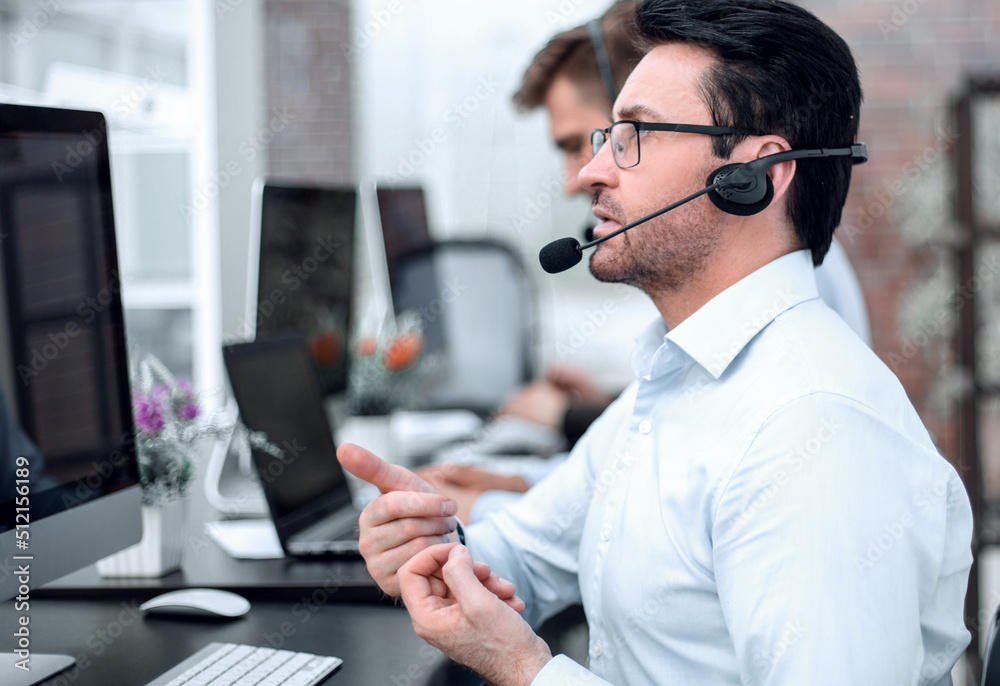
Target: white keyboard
x,y
232,664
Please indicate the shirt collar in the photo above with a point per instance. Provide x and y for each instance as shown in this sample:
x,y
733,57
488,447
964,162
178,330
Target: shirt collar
x,y
716,333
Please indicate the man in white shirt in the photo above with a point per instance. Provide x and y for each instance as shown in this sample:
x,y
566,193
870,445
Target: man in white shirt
x,y
576,77
762,505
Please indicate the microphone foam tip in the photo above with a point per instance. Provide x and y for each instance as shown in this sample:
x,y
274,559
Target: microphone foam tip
x,y
560,255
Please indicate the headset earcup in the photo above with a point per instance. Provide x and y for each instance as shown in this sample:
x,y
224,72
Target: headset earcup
x,y
739,202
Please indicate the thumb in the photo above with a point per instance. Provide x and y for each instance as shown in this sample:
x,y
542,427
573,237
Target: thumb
x,y
459,576
385,476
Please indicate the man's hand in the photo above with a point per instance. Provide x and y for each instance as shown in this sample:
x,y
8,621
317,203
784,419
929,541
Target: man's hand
x,y
453,610
577,383
539,402
408,517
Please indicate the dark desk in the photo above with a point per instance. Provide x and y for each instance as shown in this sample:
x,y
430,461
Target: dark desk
x,y
327,607
115,645
206,565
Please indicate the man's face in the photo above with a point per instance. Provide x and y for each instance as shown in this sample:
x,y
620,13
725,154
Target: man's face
x,y
571,119
664,253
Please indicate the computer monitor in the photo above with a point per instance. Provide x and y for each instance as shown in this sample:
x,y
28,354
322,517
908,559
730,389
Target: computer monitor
x,y
402,213
69,486
302,245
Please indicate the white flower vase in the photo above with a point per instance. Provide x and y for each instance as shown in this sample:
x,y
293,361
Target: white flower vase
x,y
162,546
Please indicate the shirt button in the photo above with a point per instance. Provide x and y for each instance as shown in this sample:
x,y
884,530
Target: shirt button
x,y
606,533
645,426
596,649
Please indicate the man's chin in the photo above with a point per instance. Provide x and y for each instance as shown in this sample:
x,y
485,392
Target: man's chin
x,y
606,271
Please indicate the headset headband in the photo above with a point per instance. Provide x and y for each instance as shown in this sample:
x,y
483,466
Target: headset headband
x,y
603,65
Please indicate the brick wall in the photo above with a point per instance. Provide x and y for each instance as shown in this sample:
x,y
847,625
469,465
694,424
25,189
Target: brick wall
x,y
913,56
308,90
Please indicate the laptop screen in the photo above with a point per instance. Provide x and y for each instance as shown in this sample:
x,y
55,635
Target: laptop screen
x,y
275,386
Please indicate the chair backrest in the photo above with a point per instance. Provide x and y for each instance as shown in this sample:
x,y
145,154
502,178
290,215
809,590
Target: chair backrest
x,y
477,307
991,656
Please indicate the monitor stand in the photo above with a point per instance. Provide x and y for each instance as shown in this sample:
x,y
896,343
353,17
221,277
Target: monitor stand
x,y
231,485
40,668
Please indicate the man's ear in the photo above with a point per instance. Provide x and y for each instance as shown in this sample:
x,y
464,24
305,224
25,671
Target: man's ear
x,y
781,174
751,188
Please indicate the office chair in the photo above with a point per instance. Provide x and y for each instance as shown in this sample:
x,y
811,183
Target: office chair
x,y
991,656
477,306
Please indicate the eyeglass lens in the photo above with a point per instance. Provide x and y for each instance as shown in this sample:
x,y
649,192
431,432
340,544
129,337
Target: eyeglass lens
x,y
624,143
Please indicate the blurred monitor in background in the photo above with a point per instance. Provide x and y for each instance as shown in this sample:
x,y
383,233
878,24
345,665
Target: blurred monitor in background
x,y
302,243
403,216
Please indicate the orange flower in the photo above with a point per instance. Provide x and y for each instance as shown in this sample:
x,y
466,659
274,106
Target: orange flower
x,y
402,352
325,348
365,347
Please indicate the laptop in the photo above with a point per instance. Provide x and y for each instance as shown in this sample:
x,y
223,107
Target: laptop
x,y
277,390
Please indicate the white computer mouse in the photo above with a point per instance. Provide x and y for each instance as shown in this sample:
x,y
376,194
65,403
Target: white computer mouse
x,y
198,602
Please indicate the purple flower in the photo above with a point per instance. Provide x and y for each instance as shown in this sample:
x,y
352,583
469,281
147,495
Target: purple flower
x,y
188,411
148,412
184,387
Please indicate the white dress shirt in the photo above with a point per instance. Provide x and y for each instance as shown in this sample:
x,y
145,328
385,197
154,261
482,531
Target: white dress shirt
x,y
761,506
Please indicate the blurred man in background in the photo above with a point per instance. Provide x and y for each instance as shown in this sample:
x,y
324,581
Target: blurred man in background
x,y
576,76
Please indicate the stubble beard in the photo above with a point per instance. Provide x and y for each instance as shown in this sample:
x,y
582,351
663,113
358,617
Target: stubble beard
x,y
664,254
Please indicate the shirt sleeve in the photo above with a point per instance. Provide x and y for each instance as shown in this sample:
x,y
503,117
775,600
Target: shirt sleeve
x,y
491,501
562,671
535,542
842,551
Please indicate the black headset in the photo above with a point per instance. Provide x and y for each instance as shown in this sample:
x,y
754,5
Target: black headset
x,y
603,63
746,188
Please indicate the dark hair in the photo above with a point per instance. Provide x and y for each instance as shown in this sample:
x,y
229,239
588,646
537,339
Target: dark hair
x,y
571,54
778,69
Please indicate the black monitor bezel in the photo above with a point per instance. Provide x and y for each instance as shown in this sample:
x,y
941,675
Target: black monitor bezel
x,y
108,494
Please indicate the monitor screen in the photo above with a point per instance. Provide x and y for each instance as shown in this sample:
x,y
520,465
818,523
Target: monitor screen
x,y
306,271
413,283
403,215
68,476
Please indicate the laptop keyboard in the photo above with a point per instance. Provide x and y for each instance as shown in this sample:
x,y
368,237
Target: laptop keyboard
x,y
232,664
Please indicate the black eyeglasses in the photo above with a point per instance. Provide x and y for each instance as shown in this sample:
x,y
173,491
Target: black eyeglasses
x,y
624,137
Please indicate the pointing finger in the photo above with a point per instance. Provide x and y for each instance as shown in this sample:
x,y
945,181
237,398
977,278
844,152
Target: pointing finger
x,y
385,476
